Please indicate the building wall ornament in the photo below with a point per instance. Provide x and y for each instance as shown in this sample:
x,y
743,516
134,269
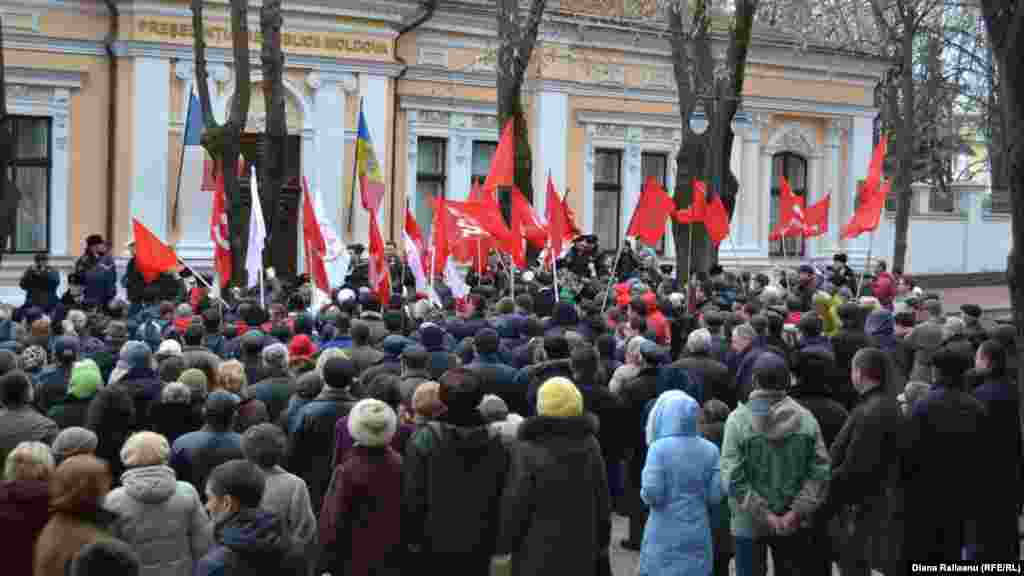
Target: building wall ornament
x,y
432,56
794,137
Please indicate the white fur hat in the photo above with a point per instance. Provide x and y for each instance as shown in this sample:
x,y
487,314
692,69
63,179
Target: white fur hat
x,y
372,423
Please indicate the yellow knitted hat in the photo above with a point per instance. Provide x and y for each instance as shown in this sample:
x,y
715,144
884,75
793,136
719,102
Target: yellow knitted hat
x,y
560,398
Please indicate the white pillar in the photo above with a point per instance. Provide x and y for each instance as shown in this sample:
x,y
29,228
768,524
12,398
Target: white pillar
x,y
459,157
813,194
631,179
833,185
670,187
373,94
549,156
60,174
148,197
859,150
764,204
411,153
751,189
588,180
329,144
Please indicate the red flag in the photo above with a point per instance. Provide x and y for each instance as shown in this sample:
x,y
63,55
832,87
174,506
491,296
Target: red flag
x,y
695,212
219,233
791,213
816,217
716,220
503,164
472,221
316,247
476,251
869,211
530,226
379,276
648,221
556,220
152,257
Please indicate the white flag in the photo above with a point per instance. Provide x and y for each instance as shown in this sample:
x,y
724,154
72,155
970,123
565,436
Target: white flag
x,y
415,263
453,278
257,234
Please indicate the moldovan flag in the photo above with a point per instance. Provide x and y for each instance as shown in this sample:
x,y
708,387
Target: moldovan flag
x,y
190,179
648,221
816,218
414,252
371,180
380,276
152,257
316,246
219,234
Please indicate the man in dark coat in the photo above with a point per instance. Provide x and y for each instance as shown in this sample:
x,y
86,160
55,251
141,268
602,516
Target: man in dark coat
x,y
441,360
312,438
943,488
607,407
496,377
96,273
195,454
137,379
973,329
454,476
278,384
866,489
717,381
40,284
530,378
19,421
850,339
52,382
636,393
414,371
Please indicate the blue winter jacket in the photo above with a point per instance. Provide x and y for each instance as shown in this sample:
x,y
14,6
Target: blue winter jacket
x,y
681,480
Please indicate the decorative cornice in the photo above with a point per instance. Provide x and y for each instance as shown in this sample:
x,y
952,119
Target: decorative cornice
x,y
221,55
669,121
38,43
43,77
456,105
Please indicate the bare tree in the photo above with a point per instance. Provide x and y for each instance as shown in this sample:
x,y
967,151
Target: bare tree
x,y
720,85
8,193
223,141
274,145
517,35
1004,20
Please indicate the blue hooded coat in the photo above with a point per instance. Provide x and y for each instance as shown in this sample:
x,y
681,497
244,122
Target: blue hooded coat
x,y
681,480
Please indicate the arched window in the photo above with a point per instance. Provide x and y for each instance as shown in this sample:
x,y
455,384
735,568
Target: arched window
x,y
794,168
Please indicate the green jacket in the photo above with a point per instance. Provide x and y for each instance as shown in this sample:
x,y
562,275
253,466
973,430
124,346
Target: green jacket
x,y
773,460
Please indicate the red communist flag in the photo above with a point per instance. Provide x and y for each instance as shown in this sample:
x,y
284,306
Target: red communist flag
x,y
219,233
648,221
791,213
530,226
716,220
556,220
316,247
152,257
379,275
816,217
503,164
476,251
870,197
695,212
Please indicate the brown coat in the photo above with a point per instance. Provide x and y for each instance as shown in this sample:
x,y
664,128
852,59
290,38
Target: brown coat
x,y
62,538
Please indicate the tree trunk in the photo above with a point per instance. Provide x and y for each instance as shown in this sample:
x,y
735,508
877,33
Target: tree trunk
x,y
906,140
7,192
274,146
233,135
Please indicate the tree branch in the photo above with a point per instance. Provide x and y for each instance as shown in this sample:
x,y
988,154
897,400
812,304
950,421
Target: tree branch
x,y
528,37
202,77
425,12
243,77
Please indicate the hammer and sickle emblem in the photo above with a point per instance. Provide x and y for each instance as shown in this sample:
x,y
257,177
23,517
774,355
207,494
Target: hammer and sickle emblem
x,y
220,232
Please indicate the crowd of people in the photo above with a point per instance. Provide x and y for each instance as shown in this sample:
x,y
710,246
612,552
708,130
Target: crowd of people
x,y
179,434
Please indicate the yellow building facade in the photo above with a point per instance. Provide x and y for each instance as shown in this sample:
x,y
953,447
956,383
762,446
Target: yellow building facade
x,y
104,99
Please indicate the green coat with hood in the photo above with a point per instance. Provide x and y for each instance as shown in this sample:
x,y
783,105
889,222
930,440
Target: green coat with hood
x,y
773,460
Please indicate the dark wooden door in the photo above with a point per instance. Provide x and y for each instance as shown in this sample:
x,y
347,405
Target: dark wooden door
x,y
281,216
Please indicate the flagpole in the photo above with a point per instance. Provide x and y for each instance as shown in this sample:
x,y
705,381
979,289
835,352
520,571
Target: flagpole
x,y
554,270
198,277
867,263
352,191
181,162
611,277
406,261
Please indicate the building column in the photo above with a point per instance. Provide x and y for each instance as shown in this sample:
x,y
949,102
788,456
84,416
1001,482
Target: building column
x,y
814,193
763,204
751,189
412,158
373,93
631,178
670,187
150,117
833,184
859,149
588,180
60,173
551,133
459,158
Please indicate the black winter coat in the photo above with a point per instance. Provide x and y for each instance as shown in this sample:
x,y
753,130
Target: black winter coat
x,y
453,479
846,344
556,512
718,382
312,441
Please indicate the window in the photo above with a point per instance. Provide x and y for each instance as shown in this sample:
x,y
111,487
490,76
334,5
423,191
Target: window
x,y
29,171
942,201
483,152
655,164
430,178
607,197
794,168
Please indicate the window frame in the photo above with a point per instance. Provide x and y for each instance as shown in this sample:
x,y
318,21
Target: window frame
x,y
478,178
775,246
663,180
600,186
15,162
433,178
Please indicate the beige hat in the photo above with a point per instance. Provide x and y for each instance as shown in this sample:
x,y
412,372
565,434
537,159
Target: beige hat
x,y
145,449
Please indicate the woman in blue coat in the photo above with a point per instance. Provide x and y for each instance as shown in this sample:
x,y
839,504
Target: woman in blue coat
x,y
681,479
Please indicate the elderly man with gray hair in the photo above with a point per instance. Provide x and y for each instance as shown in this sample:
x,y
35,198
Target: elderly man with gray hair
x,y
175,415
925,339
278,384
699,364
